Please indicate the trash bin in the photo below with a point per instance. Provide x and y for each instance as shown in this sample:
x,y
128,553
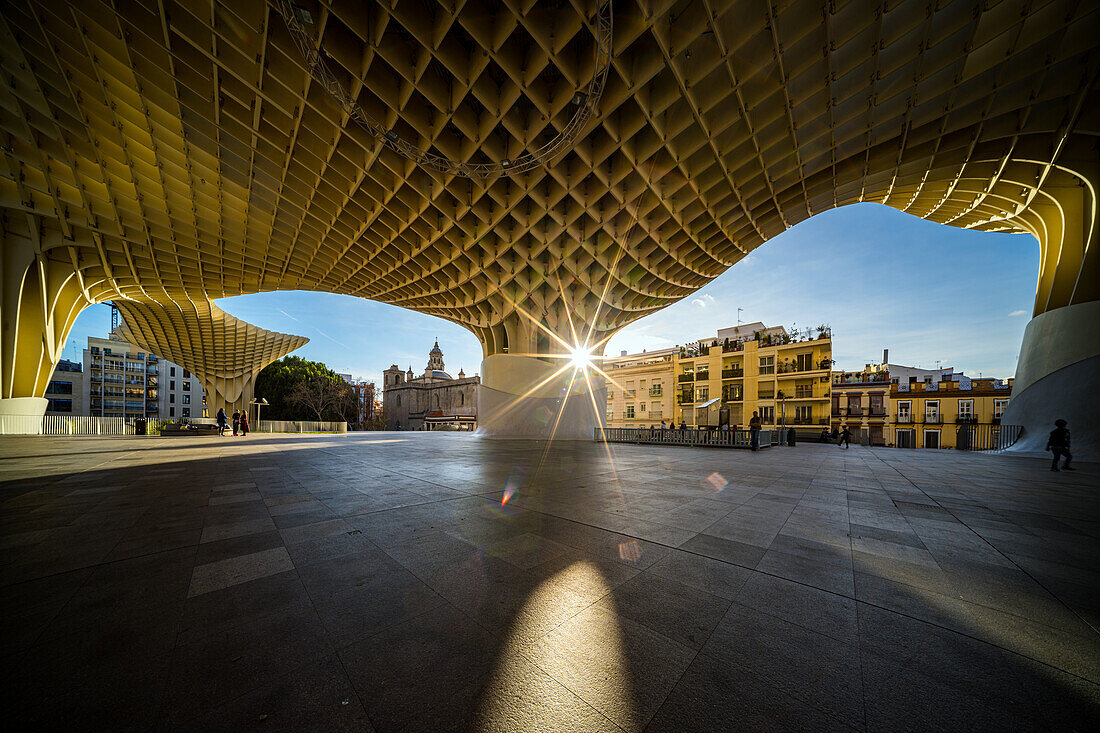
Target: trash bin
x,y
139,426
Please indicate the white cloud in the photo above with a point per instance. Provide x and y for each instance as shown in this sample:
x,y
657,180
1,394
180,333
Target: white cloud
x,y
703,301
1013,314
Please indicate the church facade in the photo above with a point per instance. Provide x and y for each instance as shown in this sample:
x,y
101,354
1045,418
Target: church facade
x,y
432,401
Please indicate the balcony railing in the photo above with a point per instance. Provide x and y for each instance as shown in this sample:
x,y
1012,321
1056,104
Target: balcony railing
x,y
702,376
656,392
803,392
876,412
933,419
733,397
686,378
684,400
732,373
855,412
903,418
966,420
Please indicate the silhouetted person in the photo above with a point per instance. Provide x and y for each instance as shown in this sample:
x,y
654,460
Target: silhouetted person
x,y
845,437
791,437
1058,444
754,430
683,425
236,421
835,435
824,435
223,421
244,423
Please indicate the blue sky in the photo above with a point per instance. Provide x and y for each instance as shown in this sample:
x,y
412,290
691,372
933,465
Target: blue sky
x,y
880,278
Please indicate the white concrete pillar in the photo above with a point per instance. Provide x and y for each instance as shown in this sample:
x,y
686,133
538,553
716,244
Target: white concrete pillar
x,y
22,415
525,397
1058,376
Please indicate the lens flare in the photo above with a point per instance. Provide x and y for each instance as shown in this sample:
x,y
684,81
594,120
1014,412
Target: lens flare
x,y
580,357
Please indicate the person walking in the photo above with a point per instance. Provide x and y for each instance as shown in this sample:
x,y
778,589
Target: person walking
x,y
845,437
223,421
236,421
244,423
754,430
1058,444
835,435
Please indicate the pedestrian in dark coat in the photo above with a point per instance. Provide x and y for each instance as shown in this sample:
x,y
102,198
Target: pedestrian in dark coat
x,y
1058,444
244,423
223,421
845,437
236,421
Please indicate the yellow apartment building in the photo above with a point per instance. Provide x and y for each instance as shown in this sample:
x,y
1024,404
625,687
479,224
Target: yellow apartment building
x,y
861,400
784,377
951,413
641,393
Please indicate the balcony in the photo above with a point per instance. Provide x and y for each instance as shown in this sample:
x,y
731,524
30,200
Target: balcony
x,y
876,412
855,412
684,399
732,373
765,396
702,376
685,378
933,420
802,393
903,418
966,420
733,397
656,392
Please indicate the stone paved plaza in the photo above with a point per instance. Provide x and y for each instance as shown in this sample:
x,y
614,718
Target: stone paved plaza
x,y
380,581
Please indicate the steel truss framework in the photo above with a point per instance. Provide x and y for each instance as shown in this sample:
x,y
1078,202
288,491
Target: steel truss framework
x,y
165,154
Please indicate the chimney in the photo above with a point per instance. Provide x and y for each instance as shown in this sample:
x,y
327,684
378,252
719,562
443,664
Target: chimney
x,y
886,356
622,353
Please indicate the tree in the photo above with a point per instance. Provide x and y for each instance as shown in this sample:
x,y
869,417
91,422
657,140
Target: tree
x,y
294,376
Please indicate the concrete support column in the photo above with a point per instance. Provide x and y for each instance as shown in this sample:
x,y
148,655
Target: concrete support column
x,y
1058,376
525,397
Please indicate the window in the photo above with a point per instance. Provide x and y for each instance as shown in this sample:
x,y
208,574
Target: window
x,y
641,408
804,362
186,374
656,390
999,407
187,412
767,365
172,384
904,411
186,399
803,415
461,398
931,438
60,405
931,410
399,400
173,373
171,412
630,411
767,415
966,408
55,387
186,386
610,413
702,394
171,397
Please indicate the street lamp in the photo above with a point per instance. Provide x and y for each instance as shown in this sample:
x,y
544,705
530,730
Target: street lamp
x,y
259,403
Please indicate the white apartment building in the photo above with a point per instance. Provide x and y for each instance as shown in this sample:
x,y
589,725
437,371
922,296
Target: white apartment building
x,y
122,380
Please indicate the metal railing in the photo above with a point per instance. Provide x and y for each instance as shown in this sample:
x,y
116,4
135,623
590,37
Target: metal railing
x,y
300,426
986,437
686,377
87,425
687,436
732,373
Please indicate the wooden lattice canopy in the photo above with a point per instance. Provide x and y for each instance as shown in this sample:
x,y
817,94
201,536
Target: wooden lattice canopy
x,y
168,153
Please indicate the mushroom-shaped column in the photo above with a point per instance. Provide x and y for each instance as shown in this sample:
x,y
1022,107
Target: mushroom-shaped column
x,y
1058,372
225,353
